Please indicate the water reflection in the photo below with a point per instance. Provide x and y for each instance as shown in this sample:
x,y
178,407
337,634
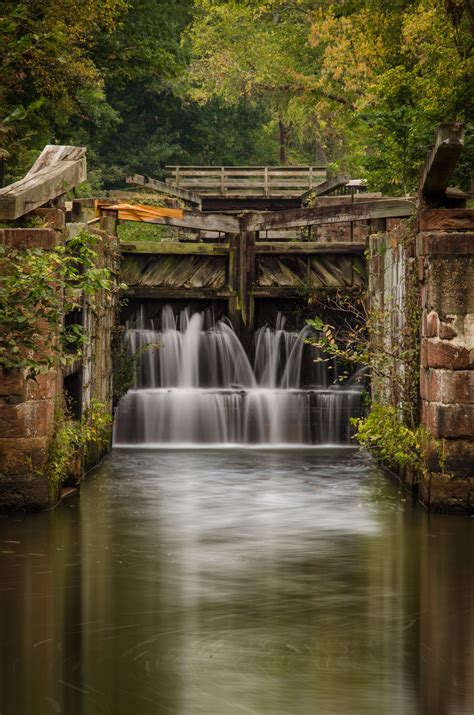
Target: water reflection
x,y
227,582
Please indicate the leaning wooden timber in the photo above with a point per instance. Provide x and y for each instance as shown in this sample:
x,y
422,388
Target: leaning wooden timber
x,y
441,160
339,213
57,170
163,188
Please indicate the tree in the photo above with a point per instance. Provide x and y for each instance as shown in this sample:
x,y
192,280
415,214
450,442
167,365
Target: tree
x,y
48,76
257,52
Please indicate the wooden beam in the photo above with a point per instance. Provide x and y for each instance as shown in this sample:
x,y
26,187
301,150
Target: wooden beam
x,y
163,188
195,220
57,170
339,213
327,186
299,291
175,248
441,159
309,247
178,293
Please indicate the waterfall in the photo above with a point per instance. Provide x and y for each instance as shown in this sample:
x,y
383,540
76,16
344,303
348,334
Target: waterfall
x,y
195,385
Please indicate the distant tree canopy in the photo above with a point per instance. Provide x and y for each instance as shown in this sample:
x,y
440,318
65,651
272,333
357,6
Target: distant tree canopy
x,y
358,84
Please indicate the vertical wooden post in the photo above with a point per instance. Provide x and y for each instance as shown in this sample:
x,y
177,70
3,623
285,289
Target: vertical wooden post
x,y
233,278
177,176
108,221
265,180
222,181
247,279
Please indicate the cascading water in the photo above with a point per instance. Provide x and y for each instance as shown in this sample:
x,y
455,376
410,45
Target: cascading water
x,y
196,386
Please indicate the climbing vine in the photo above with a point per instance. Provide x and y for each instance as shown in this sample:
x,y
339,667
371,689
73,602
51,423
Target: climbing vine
x,y
37,289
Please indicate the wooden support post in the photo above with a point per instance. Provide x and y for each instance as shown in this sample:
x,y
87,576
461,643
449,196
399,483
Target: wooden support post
x,y
247,279
234,303
266,187
108,221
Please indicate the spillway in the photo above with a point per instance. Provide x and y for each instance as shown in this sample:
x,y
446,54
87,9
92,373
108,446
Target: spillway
x,y
195,385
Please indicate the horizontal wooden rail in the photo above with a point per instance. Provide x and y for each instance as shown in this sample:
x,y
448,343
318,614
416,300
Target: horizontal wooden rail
x,y
193,220
240,180
338,213
174,248
310,247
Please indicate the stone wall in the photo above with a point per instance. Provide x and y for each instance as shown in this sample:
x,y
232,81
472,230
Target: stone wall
x,y
27,407
446,272
26,410
434,264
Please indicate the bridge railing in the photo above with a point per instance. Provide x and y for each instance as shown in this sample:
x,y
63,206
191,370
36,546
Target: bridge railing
x,y
247,180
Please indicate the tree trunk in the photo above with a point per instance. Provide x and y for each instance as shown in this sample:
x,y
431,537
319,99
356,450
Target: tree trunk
x,y
284,135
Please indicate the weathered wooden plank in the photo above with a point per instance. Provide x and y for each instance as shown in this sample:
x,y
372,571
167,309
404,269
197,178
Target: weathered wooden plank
x,y
174,248
441,159
296,291
57,170
309,247
223,223
317,216
164,188
171,293
327,186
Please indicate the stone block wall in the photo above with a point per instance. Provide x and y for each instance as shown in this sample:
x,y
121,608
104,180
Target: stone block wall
x,y
27,408
436,267
445,254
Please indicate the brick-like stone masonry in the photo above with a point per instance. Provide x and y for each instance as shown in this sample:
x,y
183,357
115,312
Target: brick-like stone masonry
x,y
445,254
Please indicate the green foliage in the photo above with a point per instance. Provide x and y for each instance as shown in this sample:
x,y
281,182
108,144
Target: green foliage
x,y
360,85
390,440
137,231
126,364
72,439
48,76
37,288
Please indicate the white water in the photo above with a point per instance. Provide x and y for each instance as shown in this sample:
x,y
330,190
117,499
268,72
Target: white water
x,y
199,388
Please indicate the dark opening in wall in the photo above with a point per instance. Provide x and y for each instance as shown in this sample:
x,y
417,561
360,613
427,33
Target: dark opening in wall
x,y
74,317
73,394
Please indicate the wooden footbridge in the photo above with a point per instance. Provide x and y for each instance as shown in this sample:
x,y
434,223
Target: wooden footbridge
x,y
228,252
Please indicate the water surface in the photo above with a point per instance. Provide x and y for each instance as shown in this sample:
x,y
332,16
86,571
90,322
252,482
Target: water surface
x,y
222,582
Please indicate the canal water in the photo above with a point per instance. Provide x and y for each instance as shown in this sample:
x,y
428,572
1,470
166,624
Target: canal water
x,y
230,582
